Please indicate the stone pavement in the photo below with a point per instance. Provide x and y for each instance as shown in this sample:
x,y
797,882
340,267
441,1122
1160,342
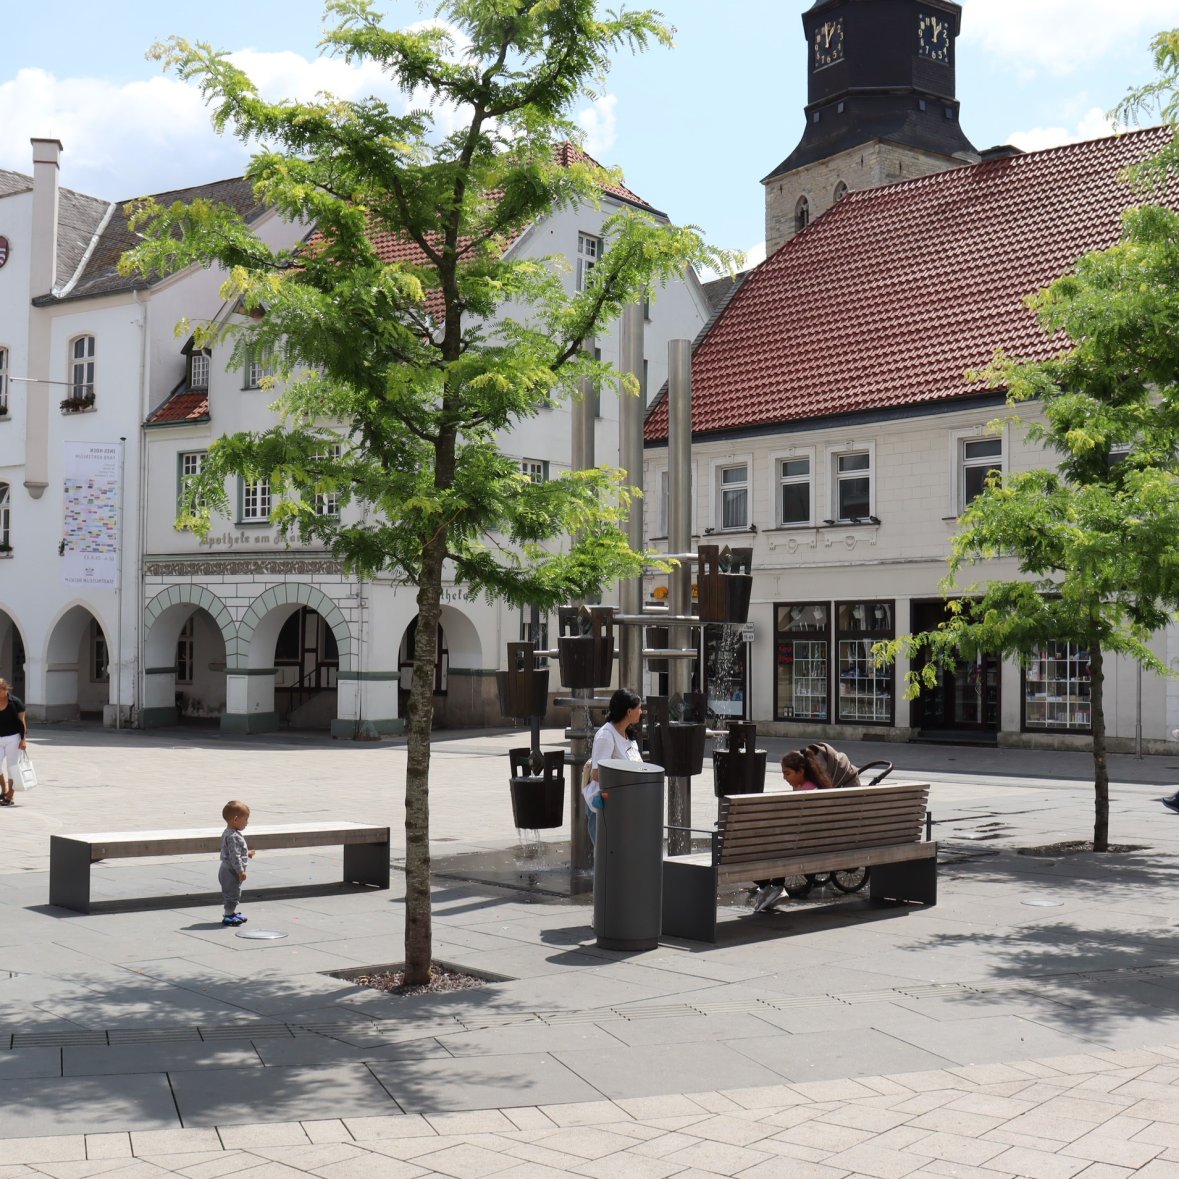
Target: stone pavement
x,y
825,1039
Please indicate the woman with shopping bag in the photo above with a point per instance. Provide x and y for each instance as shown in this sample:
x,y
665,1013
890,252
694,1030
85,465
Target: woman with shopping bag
x,y
13,732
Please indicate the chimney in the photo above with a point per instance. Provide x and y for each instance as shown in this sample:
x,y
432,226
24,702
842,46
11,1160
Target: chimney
x,y
43,273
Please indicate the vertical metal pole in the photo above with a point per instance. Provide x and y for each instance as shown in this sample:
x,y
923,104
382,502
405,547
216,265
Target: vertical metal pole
x,y
119,593
1138,717
679,540
582,459
630,459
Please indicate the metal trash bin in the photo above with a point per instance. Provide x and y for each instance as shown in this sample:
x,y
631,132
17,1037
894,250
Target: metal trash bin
x,y
628,857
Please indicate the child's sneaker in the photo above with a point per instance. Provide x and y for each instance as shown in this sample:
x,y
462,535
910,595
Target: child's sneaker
x,y
233,919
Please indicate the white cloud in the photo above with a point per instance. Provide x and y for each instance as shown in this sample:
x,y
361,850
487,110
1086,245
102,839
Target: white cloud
x,y
1061,36
752,257
1094,124
600,126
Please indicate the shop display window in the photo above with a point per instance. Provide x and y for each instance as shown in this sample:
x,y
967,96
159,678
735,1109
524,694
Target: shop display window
x,y
1056,689
865,690
802,683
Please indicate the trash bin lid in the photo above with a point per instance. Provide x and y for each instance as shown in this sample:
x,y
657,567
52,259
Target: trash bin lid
x,y
627,768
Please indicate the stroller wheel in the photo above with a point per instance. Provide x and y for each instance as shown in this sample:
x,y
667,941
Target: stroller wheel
x,y
799,886
850,879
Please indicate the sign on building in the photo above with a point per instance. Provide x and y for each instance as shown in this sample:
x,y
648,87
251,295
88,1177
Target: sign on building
x,y
90,515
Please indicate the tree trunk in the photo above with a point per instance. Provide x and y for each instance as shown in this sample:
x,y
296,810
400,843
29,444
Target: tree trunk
x,y
418,919
1100,762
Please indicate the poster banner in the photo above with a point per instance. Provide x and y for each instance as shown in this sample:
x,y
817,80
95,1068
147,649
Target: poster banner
x,y
90,526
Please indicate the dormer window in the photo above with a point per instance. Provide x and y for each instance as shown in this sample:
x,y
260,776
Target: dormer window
x,y
198,370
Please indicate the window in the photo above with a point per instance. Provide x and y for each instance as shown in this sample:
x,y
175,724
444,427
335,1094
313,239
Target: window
x,y
802,645
3,381
5,519
840,192
1056,686
802,214
100,671
794,501
185,646
255,500
853,486
189,465
535,469
589,250
257,368
734,496
541,638
327,503
865,690
82,369
198,370
979,457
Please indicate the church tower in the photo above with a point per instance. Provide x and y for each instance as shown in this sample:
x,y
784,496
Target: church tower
x,y
881,106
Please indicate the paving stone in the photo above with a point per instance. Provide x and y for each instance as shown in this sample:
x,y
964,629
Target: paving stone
x,y
328,1130
877,1161
108,1146
719,1158
956,1148
1118,1151
389,1126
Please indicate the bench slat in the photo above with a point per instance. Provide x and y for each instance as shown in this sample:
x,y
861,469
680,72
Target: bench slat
x,y
832,861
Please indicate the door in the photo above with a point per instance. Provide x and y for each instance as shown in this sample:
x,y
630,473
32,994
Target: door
x,y
966,695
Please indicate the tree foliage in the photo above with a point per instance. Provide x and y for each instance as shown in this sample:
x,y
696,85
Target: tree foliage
x,y
1094,538
413,366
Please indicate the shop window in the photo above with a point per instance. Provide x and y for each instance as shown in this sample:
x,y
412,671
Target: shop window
x,y
865,690
802,645
185,647
1057,684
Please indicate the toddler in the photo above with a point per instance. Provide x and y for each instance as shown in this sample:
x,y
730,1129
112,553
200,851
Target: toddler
x,y
234,854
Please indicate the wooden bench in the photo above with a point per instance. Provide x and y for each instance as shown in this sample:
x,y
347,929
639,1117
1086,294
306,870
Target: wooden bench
x,y
366,852
765,836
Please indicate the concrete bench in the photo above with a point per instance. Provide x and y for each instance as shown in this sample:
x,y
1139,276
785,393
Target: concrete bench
x,y
366,852
765,836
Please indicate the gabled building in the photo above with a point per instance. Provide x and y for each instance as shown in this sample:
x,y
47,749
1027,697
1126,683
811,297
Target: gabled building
x,y
835,427
261,633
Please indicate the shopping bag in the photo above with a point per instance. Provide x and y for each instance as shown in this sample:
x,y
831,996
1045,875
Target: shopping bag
x,y
26,776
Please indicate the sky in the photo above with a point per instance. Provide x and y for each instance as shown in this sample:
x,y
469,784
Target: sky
x,y
693,128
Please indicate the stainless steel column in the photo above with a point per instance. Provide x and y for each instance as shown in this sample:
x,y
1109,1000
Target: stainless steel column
x,y
679,540
630,458
582,459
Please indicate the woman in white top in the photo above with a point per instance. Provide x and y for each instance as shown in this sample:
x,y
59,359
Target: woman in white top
x,y
611,741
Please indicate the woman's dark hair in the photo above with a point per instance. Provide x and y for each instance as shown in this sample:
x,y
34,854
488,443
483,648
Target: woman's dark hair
x,y
802,760
621,703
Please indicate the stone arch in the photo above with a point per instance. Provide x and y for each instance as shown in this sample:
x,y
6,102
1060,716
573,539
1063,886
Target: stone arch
x,y
462,638
267,613
160,641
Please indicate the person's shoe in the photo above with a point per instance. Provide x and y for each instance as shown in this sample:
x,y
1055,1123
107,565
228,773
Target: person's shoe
x,y
1173,803
234,919
772,895
758,895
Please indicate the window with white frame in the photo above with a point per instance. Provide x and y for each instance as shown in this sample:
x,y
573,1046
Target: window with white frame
x,y
733,495
978,458
537,470
5,519
257,368
589,250
198,370
853,485
794,494
255,500
189,464
82,369
185,648
327,503
3,381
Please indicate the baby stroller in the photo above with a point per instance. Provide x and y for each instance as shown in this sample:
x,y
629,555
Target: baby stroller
x,y
842,774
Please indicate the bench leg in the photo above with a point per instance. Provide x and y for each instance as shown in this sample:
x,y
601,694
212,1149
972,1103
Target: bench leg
x,y
367,863
69,874
689,901
914,881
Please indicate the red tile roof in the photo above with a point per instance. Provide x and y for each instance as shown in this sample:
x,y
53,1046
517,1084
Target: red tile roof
x,y
189,406
894,293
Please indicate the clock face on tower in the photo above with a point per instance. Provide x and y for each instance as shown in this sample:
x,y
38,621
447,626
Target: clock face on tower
x,y
828,42
933,37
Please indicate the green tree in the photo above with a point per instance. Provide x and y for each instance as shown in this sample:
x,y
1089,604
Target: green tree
x,y
414,366
1095,537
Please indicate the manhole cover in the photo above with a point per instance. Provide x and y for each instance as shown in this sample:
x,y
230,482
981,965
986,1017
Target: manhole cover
x,y
1034,902
260,935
